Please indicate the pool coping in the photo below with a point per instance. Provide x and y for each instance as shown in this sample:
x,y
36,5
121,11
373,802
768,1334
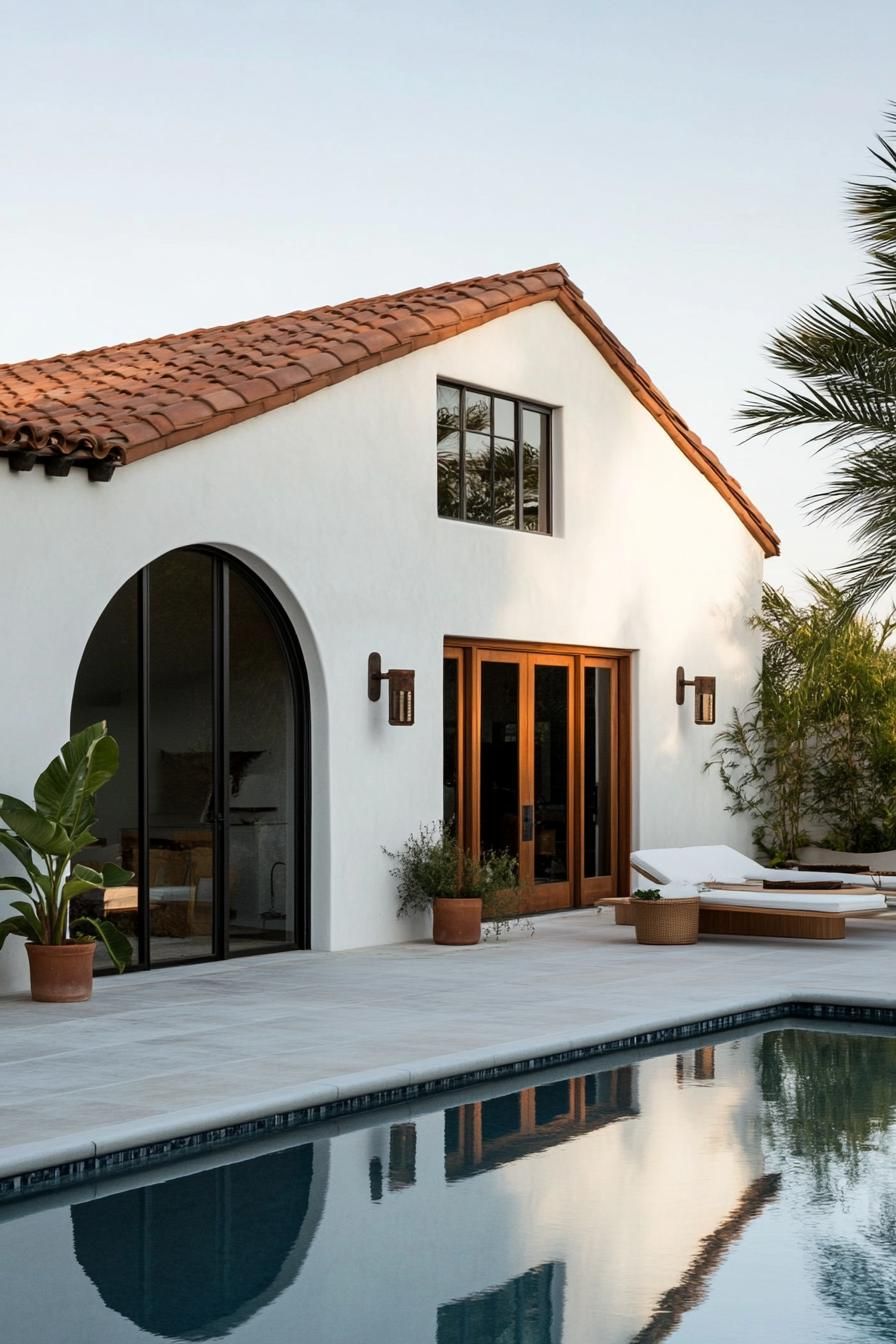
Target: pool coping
x,y
57,1163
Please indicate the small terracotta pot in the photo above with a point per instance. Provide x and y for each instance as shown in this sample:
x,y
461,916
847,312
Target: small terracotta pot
x,y
456,921
61,974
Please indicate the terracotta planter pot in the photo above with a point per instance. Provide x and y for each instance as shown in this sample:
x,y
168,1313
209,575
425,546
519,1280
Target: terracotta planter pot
x,y
456,922
666,923
61,974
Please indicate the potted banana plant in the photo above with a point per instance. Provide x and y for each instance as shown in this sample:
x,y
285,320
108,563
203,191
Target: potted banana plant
x,y
45,839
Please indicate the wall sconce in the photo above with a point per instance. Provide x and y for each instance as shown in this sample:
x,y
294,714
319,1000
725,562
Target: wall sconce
x,y
704,696
401,690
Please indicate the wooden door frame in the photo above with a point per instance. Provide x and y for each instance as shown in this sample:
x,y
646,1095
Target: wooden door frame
x,y
467,650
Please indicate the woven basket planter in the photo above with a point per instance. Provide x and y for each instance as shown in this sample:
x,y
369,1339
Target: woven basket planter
x,y
666,923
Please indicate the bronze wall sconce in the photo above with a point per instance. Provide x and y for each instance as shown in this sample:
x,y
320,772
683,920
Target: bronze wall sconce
x,y
401,690
704,696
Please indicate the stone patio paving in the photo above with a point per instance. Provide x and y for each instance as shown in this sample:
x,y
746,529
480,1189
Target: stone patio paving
x,y
193,1047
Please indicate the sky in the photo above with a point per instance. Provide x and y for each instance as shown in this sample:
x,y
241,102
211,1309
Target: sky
x,y
173,165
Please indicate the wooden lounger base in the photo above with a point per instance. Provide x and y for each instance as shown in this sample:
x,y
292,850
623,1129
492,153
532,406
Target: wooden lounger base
x,y
752,923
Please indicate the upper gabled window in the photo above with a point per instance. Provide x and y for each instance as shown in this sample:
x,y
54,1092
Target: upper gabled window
x,y
494,459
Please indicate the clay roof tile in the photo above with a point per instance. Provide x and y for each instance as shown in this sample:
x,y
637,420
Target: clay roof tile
x,y
135,399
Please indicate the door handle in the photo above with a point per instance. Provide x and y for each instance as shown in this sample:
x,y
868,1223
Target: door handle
x,y
528,815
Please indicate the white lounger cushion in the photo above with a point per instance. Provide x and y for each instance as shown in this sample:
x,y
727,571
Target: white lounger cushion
x,y
697,863
720,863
821,902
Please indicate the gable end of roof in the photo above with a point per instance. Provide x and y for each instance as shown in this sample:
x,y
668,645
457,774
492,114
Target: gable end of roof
x,y
112,406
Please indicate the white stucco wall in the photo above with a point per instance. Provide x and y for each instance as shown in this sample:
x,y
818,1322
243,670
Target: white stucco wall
x,y
333,502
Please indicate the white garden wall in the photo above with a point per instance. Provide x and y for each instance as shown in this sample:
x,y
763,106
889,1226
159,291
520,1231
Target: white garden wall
x,y
333,502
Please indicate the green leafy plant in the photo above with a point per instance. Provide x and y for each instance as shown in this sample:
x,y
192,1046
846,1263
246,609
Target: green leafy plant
x,y
495,878
647,894
427,866
431,865
814,752
502,913
44,840
495,873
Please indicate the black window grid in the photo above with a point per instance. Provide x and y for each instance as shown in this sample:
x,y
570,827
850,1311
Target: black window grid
x,y
546,475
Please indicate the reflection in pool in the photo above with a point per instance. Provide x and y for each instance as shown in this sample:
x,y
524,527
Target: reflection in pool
x,y
525,1310
485,1134
192,1257
722,1194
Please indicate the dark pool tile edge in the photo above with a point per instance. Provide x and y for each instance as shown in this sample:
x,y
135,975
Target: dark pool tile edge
x,y
58,1175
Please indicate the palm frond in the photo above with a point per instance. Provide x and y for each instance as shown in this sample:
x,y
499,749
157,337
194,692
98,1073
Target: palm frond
x,y
844,354
841,354
817,336
872,203
882,271
868,577
850,414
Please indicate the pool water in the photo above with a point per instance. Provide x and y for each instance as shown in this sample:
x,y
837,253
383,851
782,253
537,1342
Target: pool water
x,y
743,1190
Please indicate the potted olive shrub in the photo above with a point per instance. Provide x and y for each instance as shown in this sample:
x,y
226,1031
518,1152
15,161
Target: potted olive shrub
x,y
670,920
44,840
433,872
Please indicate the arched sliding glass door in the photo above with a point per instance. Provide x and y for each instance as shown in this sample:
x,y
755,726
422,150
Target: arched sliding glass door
x,y
200,678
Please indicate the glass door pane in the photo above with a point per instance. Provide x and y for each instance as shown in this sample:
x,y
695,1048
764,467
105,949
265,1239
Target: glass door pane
x,y
601,803
551,773
499,756
547,867
598,784
451,742
180,766
108,687
260,892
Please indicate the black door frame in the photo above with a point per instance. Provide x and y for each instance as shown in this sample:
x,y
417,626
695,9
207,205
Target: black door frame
x,y
223,565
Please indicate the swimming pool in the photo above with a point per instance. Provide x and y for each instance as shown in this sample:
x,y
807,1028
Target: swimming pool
x,y
730,1191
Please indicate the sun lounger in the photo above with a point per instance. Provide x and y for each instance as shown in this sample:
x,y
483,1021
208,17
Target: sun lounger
x,y
734,901
720,863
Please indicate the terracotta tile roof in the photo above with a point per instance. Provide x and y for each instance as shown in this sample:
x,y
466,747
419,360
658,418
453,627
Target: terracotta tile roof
x,y
109,407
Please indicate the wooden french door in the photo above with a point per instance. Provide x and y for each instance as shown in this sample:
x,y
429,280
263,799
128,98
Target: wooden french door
x,y
522,768
533,764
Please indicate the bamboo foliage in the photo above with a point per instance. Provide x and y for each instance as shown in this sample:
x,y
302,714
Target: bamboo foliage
x,y
813,755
